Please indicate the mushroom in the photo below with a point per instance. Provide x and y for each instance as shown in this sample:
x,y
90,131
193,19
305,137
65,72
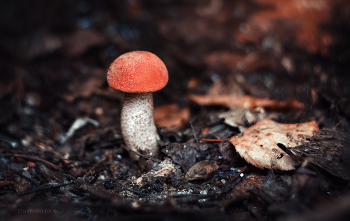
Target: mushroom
x,y
138,74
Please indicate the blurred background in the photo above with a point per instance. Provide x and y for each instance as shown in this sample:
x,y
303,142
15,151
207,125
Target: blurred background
x,y
54,56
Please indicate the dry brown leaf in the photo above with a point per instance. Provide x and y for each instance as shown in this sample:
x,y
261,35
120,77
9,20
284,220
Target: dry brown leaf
x,y
202,170
234,101
170,116
259,143
243,118
229,87
304,18
245,188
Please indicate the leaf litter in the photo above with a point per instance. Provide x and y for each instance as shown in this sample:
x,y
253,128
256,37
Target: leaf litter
x,y
260,145
234,101
244,118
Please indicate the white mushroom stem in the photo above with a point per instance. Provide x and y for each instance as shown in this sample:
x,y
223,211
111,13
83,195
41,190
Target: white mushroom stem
x,y
137,125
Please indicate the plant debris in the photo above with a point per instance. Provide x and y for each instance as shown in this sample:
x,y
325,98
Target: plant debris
x,y
264,145
233,101
244,118
201,170
329,150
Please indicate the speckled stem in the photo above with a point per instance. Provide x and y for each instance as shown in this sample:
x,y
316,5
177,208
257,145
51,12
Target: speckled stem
x,y
137,124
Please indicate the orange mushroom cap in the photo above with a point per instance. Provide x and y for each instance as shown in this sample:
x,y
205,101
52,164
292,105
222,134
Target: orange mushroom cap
x,y
137,72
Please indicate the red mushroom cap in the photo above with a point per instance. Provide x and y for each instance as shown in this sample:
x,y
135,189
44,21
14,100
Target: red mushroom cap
x,y
137,72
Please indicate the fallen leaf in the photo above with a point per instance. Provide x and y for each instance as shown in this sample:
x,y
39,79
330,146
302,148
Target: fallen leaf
x,y
170,116
260,144
234,101
245,188
243,118
230,87
202,170
294,17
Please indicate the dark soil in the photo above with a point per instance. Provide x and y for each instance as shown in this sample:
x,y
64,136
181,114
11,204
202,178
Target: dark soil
x,y
54,57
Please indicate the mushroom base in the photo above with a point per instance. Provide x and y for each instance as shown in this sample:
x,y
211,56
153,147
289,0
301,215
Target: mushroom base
x,y
137,124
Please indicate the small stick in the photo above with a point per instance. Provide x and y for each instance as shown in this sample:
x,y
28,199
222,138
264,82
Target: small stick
x,y
26,178
47,187
54,153
195,136
96,167
213,140
96,191
31,158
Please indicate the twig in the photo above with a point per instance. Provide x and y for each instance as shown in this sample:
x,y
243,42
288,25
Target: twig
x,y
195,136
97,174
96,167
340,122
47,187
52,152
5,183
31,158
192,198
142,155
97,192
213,140
26,178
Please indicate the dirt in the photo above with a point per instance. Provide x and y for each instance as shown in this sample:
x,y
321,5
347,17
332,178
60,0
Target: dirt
x,y
62,154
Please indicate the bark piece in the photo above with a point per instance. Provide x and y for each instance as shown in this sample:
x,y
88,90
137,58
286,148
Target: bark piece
x,y
330,150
